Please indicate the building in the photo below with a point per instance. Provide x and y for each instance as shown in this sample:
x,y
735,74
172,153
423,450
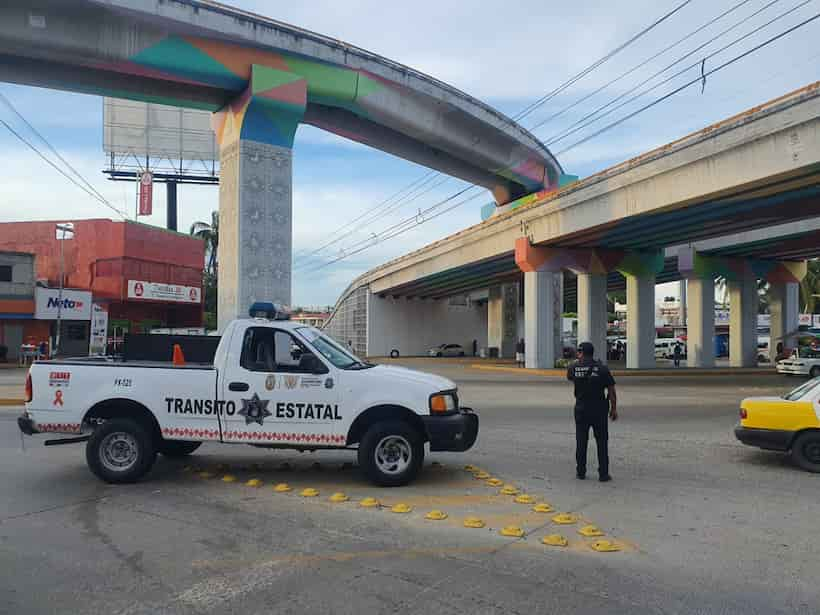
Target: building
x,y
17,305
311,319
118,277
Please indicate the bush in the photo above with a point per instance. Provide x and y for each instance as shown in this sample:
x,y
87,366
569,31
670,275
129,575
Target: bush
x,y
562,363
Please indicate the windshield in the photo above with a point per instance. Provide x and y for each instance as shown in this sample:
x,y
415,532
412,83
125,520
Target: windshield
x,y
329,349
802,390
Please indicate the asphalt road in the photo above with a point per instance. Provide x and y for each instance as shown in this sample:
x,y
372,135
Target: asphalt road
x,y
706,525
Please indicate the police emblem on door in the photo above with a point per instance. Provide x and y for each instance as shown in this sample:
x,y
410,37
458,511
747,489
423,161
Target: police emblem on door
x,y
270,382
291,382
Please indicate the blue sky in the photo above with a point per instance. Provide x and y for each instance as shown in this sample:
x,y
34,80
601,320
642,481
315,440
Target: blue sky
x,y
507,54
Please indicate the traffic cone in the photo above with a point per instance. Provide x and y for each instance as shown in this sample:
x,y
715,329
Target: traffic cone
x,y
179,357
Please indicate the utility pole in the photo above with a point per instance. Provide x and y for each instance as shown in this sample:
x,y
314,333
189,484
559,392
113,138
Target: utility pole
x,y
62,231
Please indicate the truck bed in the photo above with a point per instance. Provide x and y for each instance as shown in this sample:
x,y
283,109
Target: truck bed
x,y
108,362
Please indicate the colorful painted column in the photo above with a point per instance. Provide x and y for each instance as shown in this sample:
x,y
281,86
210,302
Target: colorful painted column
x,y
255,134
784,310
592,314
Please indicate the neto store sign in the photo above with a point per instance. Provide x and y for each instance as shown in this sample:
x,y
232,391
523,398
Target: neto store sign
x,y
153,291
76,304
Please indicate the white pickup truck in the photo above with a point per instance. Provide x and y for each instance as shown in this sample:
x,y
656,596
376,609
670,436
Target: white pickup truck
x,y
273,384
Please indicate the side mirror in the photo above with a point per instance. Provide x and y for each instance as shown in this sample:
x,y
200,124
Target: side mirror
x,y
310,363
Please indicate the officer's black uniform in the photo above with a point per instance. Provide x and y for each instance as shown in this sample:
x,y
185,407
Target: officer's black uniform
x,y
591,379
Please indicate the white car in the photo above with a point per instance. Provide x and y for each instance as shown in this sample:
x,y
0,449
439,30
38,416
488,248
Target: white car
x,y
447,350
273,384
803,362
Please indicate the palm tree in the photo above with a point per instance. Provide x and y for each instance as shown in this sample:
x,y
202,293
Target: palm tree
x,y
210,234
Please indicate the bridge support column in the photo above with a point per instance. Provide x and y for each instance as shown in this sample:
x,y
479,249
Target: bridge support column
x,y
700,323
743,305
255,134
784,308
640,321
592,317
543,294
502,317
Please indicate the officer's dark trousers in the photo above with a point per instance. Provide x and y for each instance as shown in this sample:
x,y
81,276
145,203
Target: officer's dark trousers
x,y
597,420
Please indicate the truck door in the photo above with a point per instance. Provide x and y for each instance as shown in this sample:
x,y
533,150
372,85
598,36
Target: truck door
x,y
281,393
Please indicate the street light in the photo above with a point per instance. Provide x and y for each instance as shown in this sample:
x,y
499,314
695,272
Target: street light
x,y
64,231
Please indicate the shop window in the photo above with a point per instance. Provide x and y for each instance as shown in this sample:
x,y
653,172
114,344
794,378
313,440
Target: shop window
x,y
5,273
76,333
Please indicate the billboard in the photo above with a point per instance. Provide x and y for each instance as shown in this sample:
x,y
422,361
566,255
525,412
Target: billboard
x,y
158,131
153,291
76,304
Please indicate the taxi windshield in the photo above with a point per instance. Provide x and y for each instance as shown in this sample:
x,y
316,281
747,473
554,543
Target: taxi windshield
x,y
802,390
330,350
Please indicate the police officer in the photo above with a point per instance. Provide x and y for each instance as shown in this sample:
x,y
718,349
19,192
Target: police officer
x,y
591,379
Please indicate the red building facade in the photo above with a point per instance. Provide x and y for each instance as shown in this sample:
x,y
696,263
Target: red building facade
x,y
143,276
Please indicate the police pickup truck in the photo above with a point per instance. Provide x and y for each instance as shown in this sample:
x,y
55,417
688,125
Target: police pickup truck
x,y
273,384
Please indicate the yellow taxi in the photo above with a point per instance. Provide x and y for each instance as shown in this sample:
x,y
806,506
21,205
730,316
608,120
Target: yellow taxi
x,y
788,423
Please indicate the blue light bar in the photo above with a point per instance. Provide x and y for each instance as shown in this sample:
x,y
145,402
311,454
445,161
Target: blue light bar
x,y
271,311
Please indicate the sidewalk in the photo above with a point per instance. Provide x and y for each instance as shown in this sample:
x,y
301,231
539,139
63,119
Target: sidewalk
x,y
12,395
657,371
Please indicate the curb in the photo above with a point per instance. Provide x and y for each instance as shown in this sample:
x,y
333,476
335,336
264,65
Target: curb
x,y
12,402
683,371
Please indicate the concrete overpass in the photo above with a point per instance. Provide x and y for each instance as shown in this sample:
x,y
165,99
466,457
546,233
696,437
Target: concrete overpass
x,y
753,171
262,78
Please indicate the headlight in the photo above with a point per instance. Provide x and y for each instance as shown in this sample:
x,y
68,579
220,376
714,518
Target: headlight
x,y
441,403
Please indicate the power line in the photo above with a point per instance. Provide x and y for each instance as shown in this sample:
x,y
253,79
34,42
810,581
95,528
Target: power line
x,y
22,118
583,123
692,82
523,113
533,106
58,169
639,66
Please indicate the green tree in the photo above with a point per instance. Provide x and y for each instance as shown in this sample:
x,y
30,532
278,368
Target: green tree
x,y
810,287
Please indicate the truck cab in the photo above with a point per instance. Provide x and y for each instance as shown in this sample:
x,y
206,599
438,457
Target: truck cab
x,y
273,384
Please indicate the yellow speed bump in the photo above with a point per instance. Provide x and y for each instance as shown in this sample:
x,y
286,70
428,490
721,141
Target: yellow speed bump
x,y
605,546
206,475
565,519
495,482
471,468
482,475
401,508
474,522
254,482
524,499
508,490
338,498
282,488
513,531
309,492
555,540
543,507
590,531
229,478
369,503
436,515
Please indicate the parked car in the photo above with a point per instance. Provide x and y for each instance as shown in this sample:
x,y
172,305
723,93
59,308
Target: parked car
x,y
803,362
446,350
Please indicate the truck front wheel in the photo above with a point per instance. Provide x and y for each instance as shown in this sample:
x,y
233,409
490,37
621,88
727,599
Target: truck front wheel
x,y
120,451
391,453
177,448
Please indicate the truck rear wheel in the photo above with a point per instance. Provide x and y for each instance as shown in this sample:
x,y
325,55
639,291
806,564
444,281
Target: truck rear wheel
x,y
391,453
120,451
177,448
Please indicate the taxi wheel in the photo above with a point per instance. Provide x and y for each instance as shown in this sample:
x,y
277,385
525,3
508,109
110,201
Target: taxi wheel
x,y
806,451
391,453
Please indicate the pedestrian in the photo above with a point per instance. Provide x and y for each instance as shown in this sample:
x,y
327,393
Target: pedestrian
x,y
519,352
592,379
677,353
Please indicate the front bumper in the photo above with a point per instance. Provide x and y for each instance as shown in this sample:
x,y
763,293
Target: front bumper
x,y
452,432
26,425
769,439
